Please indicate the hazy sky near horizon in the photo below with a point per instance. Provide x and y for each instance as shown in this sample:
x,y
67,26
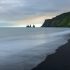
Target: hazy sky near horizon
x,y
23,12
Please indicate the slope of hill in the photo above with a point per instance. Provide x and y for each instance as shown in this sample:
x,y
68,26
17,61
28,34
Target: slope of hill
x,y
62,20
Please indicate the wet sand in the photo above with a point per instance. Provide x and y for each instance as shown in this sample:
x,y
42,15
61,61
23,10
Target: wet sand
x,y
60,60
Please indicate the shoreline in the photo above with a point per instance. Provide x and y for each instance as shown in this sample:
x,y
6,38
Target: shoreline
x,y
60,60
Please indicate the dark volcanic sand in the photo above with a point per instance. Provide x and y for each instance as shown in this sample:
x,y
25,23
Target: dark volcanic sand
x,y
57,61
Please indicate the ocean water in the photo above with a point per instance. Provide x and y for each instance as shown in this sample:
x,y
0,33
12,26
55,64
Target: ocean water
x,y
25,48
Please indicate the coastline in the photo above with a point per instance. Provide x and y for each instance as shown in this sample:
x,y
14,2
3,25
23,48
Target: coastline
x,y
60,60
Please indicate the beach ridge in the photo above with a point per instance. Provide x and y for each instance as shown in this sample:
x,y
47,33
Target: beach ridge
x,y
60,60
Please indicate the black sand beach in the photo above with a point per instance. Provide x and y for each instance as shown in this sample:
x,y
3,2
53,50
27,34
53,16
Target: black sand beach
x,y
60,60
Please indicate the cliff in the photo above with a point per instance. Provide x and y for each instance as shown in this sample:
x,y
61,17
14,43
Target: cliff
x,y
62,20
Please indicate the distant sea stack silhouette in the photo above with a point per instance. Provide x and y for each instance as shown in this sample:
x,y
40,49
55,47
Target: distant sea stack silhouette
x,y
29,26
62,20
33,26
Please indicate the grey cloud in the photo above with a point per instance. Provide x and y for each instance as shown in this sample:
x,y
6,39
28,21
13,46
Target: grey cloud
x,y
17,9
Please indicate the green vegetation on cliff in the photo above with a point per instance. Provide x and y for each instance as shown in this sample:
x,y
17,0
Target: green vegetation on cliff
x,y
62,20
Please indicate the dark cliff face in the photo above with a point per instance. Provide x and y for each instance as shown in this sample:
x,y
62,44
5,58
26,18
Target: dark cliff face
x,y
62,20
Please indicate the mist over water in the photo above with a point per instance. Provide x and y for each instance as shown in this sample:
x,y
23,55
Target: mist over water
x,y
24,48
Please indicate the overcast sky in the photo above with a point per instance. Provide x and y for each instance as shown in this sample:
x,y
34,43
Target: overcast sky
x,y
23,12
